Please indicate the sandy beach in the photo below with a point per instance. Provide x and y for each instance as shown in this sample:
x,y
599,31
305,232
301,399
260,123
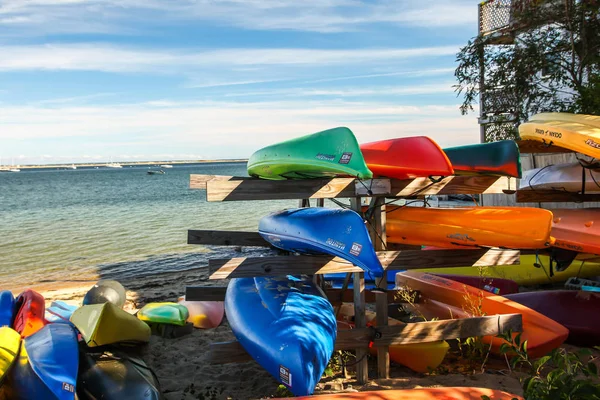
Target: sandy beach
x,y
184,373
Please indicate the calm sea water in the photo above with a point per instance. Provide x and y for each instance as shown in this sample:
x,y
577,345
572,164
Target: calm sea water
x,y
68,225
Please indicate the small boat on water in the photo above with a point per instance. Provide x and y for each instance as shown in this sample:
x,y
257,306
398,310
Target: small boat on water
x,y
153,172
166,166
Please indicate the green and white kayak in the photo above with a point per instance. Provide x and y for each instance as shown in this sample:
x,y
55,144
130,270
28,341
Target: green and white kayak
x,y
331,153
164,313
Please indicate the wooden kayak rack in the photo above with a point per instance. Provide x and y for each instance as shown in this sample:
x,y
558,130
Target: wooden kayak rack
x,y
230,188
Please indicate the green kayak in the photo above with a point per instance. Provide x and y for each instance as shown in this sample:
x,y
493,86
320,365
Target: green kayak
x,y
330,153
164,313
500,158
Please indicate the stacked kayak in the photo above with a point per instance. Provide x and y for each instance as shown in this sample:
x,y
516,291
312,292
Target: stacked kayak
x,y
7,308
115,375
420,357
443,298
572,308
10,342
47,365
569,177
509,227
103,324
577,229
287,325
164,313
443,393
500,158
29,315
531,270
330,153
577,132
406,158
204,314
338,232
60,312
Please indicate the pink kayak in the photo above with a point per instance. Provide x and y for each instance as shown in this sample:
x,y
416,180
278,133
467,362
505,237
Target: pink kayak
x,y
204,314
574,309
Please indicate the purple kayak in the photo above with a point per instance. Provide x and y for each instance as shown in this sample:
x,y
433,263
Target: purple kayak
x,y
493,285
576,310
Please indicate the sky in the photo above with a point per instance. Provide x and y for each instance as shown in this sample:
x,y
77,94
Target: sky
x,y
132,80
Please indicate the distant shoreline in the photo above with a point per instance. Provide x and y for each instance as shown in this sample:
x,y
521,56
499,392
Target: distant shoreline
x,y
122,163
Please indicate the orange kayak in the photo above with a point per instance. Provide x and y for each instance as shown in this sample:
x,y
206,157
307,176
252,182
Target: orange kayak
x,y
444,298
441,393
576,229
406,158
420,357
508,227
30,307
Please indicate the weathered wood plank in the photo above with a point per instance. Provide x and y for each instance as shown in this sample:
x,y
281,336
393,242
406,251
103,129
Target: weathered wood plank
x,y
205,293
379,238
452,185
225,238
260,189
547,196
404,259
533,146
198,181
418,332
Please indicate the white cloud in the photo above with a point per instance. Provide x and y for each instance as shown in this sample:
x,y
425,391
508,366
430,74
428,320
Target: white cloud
x,y
307,15
221,130
109,58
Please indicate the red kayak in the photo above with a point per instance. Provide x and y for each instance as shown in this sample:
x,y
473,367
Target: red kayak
x,y
29,313
493,285
574,309
406,158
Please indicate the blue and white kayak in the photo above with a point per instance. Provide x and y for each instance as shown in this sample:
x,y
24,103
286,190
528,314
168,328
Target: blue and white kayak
x,y
319,230
7,307
47,365
60,312
287,325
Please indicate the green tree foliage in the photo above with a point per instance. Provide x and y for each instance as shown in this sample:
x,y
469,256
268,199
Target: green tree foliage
x,y
552,64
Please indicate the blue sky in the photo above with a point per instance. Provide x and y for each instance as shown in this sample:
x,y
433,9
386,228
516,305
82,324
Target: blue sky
x,y
92,80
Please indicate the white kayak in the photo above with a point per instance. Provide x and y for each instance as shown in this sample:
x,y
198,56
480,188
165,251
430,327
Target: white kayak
x,y
565,177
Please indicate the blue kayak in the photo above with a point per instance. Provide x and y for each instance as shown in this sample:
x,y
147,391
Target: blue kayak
x,y
286,325
321,230
47,365
59,312
7,307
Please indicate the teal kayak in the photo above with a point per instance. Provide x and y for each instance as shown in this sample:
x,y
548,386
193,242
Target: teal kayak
x,y
331,153
500,158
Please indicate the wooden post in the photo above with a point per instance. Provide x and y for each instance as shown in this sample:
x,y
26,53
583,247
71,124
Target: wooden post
x,y
360,320
379,241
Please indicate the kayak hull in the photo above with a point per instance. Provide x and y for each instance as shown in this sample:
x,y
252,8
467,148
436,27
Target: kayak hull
x,y
330,153
204,314
580,133
444,393
566,177
10,342
164,313
30,307
319,230
444,298
406,158
508,227
7,308
577,229
572,308
47,365
286,325
501,158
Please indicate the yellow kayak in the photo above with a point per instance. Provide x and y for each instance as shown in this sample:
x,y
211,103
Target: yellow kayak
x,y
526,273
420,357
508,227
577,132
10,342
